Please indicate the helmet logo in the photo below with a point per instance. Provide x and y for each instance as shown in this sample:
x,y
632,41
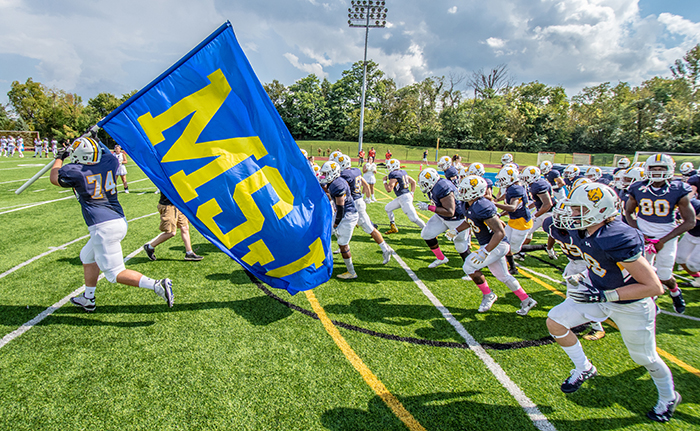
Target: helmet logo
x,y
473,182
532,171
595,195
510,172
428,176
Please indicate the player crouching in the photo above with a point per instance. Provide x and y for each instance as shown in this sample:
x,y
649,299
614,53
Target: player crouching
x,y
482,216
91,173
622,284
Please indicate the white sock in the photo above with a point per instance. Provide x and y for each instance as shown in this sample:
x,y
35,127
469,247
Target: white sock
x,y
147,283
383,246
89,292
597,326
577,356
663,379
349,265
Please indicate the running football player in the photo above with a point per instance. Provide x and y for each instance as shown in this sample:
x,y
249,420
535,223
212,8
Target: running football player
x,y
650,208
403,186
621,288
91,173
482,219
449,213
515,204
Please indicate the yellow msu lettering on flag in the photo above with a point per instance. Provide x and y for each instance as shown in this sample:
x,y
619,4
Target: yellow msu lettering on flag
x,y
206,133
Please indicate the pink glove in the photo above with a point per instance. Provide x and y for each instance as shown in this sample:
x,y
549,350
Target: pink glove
x,y
650,246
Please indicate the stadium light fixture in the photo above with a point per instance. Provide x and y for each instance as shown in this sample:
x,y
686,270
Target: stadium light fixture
x,y
366,14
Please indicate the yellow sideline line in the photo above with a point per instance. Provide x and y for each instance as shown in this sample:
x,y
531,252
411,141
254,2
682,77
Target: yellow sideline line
x,y
689,368
377,386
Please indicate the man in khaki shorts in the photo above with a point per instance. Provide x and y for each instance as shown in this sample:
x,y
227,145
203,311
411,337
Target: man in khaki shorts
x,y
171,219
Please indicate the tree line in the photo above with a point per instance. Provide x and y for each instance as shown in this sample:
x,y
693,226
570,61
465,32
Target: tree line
x,y
484,110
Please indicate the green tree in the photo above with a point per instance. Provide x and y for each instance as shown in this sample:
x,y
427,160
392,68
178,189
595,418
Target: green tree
x,y
305,109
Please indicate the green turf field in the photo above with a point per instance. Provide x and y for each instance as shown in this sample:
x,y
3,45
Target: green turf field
x,y
233,355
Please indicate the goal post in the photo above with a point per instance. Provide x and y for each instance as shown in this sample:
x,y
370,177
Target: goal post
x,y
545,155
581,159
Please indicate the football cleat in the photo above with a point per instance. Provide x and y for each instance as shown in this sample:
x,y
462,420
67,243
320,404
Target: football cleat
x,y
663,411
526,305
164,289
577,378
87,304
594,335
150,251
519,256
386,254
191,256
438,262
695,282
126,191
347,276
678,302
392,229
487,302
513,271
336,251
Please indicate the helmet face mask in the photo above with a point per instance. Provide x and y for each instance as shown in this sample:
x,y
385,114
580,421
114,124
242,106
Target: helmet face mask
x,y
593,173
571,172
470,188
85,151
686,168
545,167
630,176
506,177
427,180
623,163
329,172
586,206
659,167
444,162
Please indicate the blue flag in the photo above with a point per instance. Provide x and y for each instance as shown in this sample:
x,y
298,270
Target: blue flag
x,y
206,133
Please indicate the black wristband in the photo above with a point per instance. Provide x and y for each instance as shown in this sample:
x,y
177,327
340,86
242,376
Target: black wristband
x,y
339,213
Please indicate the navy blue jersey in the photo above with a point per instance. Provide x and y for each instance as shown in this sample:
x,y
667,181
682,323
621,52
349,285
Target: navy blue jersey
x,y
617,170
624,196
452,174
550,177
694,181
691,173
354,178
537,188
478,212
696,230
563,238
489,183
95,187
605,179
521,212
613,243
657,205
402,183
339,187
444,188
569,182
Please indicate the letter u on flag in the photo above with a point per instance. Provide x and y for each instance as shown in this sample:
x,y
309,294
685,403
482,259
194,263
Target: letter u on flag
x,y
206,133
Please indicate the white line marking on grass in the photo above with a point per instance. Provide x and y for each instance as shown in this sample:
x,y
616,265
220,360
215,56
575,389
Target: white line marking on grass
x,y
46,313
538,419
680,315
27,179
60,247
541,275
40,190
36,205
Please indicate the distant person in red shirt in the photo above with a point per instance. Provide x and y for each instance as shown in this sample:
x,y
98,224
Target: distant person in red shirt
x,y
361,156
372,153
387,156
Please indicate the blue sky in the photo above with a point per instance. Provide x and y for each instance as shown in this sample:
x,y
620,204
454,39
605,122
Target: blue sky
x,y
88,47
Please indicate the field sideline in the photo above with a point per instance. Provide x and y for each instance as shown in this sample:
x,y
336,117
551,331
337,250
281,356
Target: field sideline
x,y
400,347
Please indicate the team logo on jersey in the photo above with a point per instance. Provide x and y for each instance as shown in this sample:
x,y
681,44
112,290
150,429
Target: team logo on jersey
x,y
595,195
473,182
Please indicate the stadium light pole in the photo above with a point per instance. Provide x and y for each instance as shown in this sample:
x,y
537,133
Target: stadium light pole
x,y
366,14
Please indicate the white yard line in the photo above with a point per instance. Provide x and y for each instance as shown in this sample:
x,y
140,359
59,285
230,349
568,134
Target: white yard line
x,y
46,313
530,408
36,205
24,180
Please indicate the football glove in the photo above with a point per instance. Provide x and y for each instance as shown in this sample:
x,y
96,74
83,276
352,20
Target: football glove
x,y
594,295
63,154
451,234
552,253
423,206
334,232
479,256
650,246
575,279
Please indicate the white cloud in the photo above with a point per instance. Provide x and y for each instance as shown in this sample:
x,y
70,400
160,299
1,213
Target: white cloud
x,y
452,10
495,42
309,68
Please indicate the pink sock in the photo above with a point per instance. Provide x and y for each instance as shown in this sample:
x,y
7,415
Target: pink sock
x,y
484,288
674,290
438,253
520,293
